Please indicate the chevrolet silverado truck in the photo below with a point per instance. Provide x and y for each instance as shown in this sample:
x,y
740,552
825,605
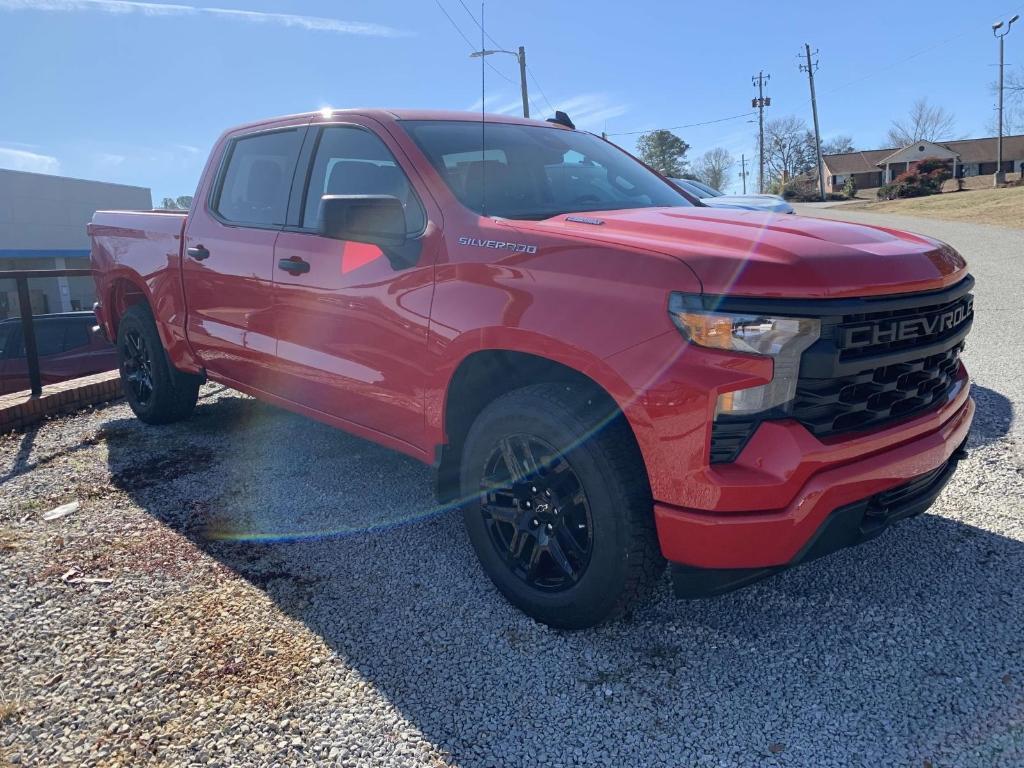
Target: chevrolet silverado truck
x,y
606,375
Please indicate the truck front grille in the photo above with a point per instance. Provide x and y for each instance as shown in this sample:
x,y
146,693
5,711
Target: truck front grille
x,y
878,361
875,396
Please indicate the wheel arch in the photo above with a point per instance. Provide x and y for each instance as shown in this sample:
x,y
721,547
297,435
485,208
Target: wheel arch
x,y
484,374
122,292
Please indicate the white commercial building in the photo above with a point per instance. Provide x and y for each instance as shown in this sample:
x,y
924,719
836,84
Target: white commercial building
x,y
42,226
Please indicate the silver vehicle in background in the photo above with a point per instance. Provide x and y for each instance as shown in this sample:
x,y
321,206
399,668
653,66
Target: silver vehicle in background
x,y
715,199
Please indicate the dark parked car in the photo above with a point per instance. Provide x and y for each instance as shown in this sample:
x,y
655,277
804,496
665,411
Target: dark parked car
x,y
67,349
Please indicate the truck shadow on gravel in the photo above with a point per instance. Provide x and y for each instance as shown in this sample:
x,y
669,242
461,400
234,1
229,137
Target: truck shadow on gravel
x,y
904,650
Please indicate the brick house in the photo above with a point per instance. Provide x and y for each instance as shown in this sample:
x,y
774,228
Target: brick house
x,y
874,167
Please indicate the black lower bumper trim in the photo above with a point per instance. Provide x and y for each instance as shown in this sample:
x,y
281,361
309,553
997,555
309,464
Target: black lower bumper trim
x,y
846,526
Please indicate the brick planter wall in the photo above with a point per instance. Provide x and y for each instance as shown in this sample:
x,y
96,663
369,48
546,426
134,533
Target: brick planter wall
x,y
20,410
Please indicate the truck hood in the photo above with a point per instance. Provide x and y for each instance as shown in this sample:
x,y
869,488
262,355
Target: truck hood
x,y
762,254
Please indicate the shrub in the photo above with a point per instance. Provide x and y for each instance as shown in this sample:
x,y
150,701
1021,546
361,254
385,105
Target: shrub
x,y
801,189
850,187
925,177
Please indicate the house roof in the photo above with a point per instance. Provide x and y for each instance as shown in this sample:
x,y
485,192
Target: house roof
x,y
969,150
856,162
924,148
984,150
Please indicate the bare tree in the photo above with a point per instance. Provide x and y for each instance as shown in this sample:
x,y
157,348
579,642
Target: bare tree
x,y
837,145
924,123
788,148
713,167
1013,105
1014,84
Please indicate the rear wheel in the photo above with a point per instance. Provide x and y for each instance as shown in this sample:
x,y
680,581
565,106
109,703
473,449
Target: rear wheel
x,y
559,508
156,392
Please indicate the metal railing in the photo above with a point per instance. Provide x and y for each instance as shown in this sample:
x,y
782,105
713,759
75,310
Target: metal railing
x,y
28,328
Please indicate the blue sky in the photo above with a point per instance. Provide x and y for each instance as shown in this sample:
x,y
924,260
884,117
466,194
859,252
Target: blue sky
x,y
137,92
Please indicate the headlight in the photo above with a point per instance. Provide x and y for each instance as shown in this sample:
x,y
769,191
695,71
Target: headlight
x,y
783,339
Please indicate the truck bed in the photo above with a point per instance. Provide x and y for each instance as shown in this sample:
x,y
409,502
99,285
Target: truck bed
x,y
140,248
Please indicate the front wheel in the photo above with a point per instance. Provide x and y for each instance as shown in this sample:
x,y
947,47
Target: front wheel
x,y
558,506
156,392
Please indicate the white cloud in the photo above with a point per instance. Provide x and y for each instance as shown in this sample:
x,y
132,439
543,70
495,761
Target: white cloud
x,y
313,23
22,160
591,110
104,6
109,160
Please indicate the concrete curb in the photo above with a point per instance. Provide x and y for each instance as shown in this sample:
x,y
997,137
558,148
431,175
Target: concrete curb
x,y
20,410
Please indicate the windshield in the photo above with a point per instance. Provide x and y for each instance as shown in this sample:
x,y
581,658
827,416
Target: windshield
x,y
697,188
533,172
688,186
710,191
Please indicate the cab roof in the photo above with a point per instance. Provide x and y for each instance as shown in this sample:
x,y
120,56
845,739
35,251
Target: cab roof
x,y
392,115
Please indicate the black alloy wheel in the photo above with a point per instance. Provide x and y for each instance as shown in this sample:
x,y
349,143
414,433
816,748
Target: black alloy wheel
x,y
537,513
138,366
156,392
558,506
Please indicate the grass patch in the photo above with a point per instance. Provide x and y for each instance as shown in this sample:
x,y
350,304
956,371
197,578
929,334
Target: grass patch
x,y
10,709
1003,207
8,541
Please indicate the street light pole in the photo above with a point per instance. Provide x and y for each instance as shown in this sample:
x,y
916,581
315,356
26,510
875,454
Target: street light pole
x,y
521,58
999,175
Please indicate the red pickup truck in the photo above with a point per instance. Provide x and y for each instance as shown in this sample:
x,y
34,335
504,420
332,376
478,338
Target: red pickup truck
x,y
606,374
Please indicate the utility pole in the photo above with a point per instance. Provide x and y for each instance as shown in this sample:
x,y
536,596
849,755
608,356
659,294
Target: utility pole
x,y
522,80
1000,176
760,103
809,68
521,58
743,173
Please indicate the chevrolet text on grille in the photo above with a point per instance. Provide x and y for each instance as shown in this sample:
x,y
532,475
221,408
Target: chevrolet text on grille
x,y
887,331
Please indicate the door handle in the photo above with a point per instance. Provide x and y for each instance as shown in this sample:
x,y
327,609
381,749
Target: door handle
x,y
293,264
197,252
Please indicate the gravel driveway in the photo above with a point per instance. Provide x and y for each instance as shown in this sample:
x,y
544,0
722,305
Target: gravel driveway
x,y
252,588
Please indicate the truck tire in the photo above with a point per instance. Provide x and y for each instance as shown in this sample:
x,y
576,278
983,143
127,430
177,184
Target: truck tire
x,y
157,392
558,506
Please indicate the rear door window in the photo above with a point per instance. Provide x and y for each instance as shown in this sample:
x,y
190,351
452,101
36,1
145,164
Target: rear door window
x,y
9,341
50,337
257,178
77,334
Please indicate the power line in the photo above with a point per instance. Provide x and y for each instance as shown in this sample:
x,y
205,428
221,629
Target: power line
x,y
688,125
903,60
469,42
488,34
501,47
496,44
541,90
457,28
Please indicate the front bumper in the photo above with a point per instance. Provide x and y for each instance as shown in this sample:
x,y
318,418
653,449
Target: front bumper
x,y
832,492
844,527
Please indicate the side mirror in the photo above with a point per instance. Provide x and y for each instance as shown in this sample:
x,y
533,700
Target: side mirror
x,y
376,219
